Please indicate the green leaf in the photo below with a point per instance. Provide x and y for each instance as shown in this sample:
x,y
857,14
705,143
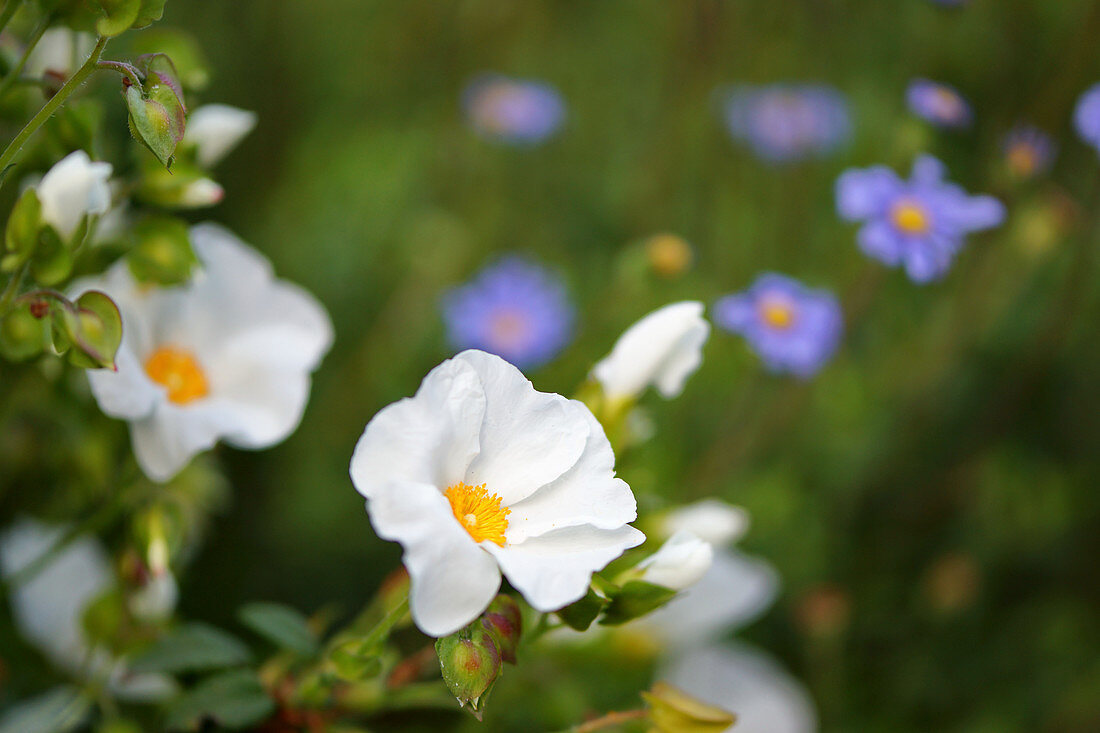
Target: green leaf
x,y
118,16
21,235
634,599
163,253
57,711
231,699
581,614
191,648
281,625
94,326
354,660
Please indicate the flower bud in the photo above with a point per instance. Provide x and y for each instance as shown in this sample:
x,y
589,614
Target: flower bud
x,y
74,188
669,255
711,520
215,129
671,710
470,662
504,620
679,563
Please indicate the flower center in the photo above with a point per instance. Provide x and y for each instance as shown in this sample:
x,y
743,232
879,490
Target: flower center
x,y
1022,159
911,218
508,330
777,313
179,372
479,512
947,104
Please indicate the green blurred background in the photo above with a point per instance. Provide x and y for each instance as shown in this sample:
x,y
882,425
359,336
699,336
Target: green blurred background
x,y
930,499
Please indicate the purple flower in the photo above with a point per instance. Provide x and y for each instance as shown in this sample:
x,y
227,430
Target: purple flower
x,y
1087,116
1029,151
920,223
513,110
787,122
513,308
940,104
795,329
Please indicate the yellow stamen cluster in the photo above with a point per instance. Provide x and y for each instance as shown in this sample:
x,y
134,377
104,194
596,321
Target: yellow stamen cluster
x,y
179,372
479,512
777,314
911,218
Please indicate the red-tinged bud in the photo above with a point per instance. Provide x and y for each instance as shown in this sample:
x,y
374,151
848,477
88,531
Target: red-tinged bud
x,y
504,619
470,662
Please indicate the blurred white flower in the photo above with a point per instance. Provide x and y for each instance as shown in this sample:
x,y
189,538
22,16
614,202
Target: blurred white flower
x,y
680,562
200,193
480,474
48,608
228,355
155,600
712,520
74,188
661,350
215,129
765,698
60,51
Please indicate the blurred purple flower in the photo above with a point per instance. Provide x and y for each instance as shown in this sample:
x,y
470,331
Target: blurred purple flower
x,y
920,223
940,104
1029,151
513,308
1087,116
788,122
513,110
795,329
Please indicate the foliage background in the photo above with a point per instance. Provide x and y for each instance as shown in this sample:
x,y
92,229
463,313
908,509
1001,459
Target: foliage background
x,y
929,500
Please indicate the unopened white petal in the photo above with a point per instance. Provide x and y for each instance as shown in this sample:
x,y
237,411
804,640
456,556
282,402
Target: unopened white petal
x,y
215,129
712,520
73,188
679,563
201,192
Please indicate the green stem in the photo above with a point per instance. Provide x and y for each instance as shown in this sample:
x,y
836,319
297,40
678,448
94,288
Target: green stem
x,y
122,68
611,720
13,75
52,106
8,11
12,288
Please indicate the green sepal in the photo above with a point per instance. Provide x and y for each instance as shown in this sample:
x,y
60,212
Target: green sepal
x,y
150,12
22,334
158,116
53,261
634,599
580,614
89,330
118,16
21,235
183,49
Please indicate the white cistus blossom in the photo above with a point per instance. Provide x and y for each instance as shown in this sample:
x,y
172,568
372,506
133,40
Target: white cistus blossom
x,y
680,562
74,188
735,677
215,129
226,356
60,51
479,474
662,350
711,520
48,607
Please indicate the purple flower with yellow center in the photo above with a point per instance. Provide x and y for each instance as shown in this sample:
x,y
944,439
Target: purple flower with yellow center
x,y
513,110
920,223
940,104
1029,151
513,308
793,328
1087,117
787,122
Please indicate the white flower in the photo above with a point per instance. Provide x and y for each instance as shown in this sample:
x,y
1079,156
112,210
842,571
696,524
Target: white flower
x,y
712,520
48,608
74,188
229,355
155,600
480,474
201,192
215,129
663,350
765,698
680,562
60,51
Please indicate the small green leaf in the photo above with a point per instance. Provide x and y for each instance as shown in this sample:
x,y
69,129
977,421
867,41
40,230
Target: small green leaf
x,y
163,253
233,700
634,599
60,710
191,648
582,613
118,16
281,625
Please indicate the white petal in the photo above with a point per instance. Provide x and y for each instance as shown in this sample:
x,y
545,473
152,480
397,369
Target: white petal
x,y
679,563
429,438
712,520
588,493
61,51
73,188
765,698
48,608
452,578
127,394
201,192
554,569
166,441
263,406
662,350
734,591
215,129
528,438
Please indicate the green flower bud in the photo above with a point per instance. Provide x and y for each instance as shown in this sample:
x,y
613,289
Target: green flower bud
x,y
470,662
672,710
23,332
504,620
